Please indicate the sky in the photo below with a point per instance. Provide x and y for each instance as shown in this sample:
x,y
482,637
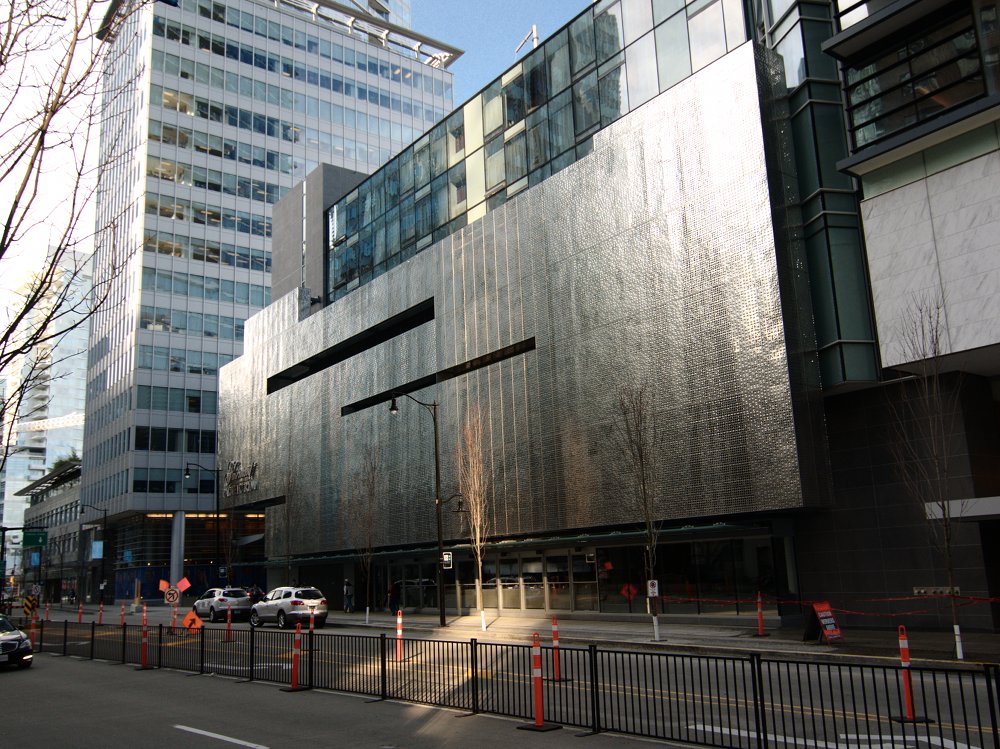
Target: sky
x,y
488,31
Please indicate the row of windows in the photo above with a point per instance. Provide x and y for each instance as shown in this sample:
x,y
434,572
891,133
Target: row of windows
x,y
68,513
182,209
258,123
216,145
113,446
207,251
530,123
181,400
164,359
277,32
288,100
159,319
110,486
259,58
107,413
214,180
162,439
934,68
200,287
172,481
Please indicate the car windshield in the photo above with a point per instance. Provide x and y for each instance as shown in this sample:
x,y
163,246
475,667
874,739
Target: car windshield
x,y
308,593
6,626
235,593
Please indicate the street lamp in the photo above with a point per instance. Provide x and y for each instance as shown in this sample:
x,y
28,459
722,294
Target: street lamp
x,y
216,471
431,408
104,542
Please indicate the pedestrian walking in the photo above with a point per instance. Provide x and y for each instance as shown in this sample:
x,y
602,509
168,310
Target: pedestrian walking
x,y
348,596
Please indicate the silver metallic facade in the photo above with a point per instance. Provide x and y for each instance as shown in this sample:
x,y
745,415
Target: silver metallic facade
x,y
662,258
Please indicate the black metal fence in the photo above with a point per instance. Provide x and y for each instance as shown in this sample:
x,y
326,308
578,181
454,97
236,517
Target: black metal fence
x,y
733,702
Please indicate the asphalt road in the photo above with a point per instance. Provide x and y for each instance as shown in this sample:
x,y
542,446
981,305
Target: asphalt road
x,y
69,702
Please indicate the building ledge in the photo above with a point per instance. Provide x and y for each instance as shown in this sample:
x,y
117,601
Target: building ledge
x,y
925,135
855,39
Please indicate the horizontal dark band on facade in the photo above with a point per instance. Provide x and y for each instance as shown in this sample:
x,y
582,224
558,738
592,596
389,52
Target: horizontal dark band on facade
x,y
384,331
493,357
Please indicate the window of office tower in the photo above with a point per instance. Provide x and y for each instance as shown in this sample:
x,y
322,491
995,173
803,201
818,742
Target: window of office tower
x,y
531,122
935,67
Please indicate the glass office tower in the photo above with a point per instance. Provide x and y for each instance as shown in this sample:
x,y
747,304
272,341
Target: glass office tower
x,y
212,111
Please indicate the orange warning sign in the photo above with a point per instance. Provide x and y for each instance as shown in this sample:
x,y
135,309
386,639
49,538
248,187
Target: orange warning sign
x,y
192,622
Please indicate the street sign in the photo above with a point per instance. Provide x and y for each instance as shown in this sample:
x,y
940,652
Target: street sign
x,y
192,622
652,588
34,538
171,596
446,560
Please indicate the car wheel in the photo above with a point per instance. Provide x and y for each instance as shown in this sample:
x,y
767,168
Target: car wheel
x,y
211,614
281,620
254,619
25,664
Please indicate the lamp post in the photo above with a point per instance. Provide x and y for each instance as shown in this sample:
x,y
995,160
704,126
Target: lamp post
x,y
104,542
431,408
216,472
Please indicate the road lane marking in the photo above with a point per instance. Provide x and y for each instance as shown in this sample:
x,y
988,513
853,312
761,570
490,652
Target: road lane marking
x,y
220,737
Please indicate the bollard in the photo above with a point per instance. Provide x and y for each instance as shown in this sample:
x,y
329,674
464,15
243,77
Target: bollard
x,y
79,614
144,615
399,636
173,622
312,621
46,612
555,649
123,615
100,613
536,678
144,651
31,633
904,661
760,615
229,624
296,653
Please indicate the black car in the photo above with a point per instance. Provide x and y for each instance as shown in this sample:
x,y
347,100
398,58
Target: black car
x,y
15,647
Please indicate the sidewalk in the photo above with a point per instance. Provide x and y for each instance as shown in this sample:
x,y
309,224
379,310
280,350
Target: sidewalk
x,y
693,635
688,634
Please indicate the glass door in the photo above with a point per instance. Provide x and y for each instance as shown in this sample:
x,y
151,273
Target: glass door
x,y
534,583
510,584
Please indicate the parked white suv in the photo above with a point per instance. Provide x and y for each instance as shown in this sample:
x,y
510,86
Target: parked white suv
x,y
290,604
214,604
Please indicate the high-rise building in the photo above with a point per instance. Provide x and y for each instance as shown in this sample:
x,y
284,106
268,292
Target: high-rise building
x,y
212,110
634,264
48,423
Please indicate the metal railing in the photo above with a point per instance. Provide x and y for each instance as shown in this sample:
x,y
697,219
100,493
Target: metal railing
x,y
733,702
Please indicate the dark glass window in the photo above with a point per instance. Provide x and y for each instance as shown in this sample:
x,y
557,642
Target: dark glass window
x,y
516,157
929,72
514,100
586,109
561,132
581,43
557,58
608,33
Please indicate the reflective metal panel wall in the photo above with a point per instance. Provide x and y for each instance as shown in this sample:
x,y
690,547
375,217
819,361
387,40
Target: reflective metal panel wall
x,y
650,262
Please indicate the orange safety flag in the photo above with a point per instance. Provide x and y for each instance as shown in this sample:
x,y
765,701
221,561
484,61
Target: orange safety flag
x,y
192,622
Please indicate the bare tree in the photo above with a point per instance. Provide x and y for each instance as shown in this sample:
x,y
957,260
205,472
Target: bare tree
x,y
923,419
637,434
474,486
51,61
360,515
